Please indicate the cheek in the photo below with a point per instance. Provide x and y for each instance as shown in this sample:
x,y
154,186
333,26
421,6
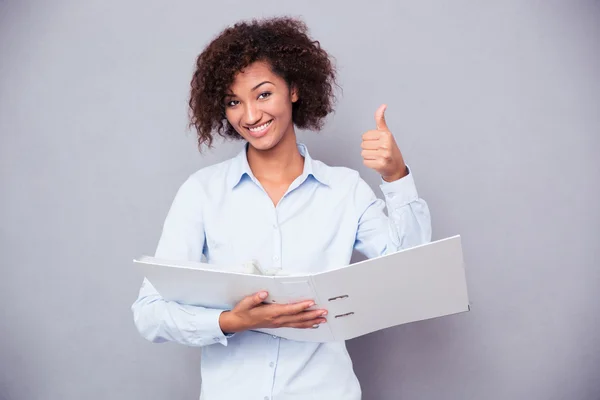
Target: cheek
x,y
232,118
230,115
282,110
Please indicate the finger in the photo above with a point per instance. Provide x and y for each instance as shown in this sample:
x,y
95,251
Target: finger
x,y
374,164
252,301
302,317
371,135
380,118
293,309
313,323
371,144
370,154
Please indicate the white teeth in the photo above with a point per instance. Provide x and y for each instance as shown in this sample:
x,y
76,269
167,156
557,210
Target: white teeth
x,y
260,128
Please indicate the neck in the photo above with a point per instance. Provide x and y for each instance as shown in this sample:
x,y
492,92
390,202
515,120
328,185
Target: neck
x,y
282,163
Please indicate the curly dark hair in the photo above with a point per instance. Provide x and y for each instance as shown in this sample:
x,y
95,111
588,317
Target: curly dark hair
x,y
283,43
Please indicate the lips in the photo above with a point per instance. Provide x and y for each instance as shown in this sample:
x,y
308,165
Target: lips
x,y
260,130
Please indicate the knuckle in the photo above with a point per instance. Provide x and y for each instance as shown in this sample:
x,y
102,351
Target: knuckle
x,y
273,313
277,323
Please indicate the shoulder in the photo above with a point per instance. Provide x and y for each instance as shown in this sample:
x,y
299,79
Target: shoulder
x,y
209,178
338,177
211,172
346,186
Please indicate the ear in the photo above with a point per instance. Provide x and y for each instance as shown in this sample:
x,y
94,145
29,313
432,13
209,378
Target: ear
x,y
294,94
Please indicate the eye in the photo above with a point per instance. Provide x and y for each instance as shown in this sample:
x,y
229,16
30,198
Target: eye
x,y
264,95
232,103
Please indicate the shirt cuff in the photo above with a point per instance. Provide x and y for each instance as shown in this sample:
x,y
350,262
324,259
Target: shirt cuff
x,y
217,334
400,192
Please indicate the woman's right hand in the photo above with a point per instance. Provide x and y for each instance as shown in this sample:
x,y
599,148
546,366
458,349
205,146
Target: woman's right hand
x,y
250,313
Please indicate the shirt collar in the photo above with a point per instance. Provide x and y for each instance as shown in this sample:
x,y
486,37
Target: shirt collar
x,y
240,168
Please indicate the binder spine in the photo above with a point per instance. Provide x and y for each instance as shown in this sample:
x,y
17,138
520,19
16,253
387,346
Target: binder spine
x,y
319,303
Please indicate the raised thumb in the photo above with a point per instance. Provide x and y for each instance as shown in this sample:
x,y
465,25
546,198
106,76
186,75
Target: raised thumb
x,y
380,118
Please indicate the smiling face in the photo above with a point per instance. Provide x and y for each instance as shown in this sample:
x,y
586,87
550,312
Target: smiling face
x,y
259,106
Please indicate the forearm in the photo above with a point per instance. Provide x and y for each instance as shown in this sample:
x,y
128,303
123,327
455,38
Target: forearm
x,y
408,225
159,320
409,219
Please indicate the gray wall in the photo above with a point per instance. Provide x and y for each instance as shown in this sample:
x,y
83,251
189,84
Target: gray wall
x,y
496,108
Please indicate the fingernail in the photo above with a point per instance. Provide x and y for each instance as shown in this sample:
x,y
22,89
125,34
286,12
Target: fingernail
x,y
311,304
324,313
262,295
315,326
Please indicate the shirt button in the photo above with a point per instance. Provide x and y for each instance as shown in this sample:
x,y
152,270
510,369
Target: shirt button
x,y
266,397
274,337
275,226
271,364
276,258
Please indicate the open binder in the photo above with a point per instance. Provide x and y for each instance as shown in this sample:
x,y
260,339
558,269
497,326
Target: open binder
x,y
418,283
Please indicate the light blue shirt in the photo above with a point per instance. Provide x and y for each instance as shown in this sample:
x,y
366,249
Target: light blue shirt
x,y
223,213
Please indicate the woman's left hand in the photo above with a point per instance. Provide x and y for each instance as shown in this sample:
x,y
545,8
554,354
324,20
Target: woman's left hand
x,y
380,151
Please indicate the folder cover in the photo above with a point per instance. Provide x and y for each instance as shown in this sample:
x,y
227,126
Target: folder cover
x,y
422,282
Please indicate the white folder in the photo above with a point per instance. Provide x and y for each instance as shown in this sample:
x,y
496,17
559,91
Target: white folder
x,y
418,283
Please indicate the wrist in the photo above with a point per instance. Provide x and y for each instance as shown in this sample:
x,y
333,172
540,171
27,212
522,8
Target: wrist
x,y
399,175
228,322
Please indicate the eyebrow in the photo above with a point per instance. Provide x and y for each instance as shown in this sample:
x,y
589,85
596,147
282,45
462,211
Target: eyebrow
x,y
260,84
253,89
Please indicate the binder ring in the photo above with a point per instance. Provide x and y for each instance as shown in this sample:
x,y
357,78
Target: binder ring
x,y
338,297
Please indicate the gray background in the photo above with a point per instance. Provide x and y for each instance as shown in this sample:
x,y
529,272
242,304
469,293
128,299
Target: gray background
x,y
495,106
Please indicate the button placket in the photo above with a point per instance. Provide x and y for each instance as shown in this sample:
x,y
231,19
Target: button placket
x,y
276,259
272,360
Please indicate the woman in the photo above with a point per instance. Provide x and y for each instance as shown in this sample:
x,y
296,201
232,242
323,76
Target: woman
x,y
257,81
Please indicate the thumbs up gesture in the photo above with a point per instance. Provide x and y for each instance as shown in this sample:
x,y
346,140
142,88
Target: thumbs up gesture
x,y
380,151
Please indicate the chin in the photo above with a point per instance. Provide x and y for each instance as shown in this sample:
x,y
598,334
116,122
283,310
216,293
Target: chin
x,y
262,144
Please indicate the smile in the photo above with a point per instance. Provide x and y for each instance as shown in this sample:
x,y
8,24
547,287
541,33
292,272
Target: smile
x,y
260,128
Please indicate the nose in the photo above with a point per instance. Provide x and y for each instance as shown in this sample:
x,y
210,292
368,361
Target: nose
x,y
252,114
